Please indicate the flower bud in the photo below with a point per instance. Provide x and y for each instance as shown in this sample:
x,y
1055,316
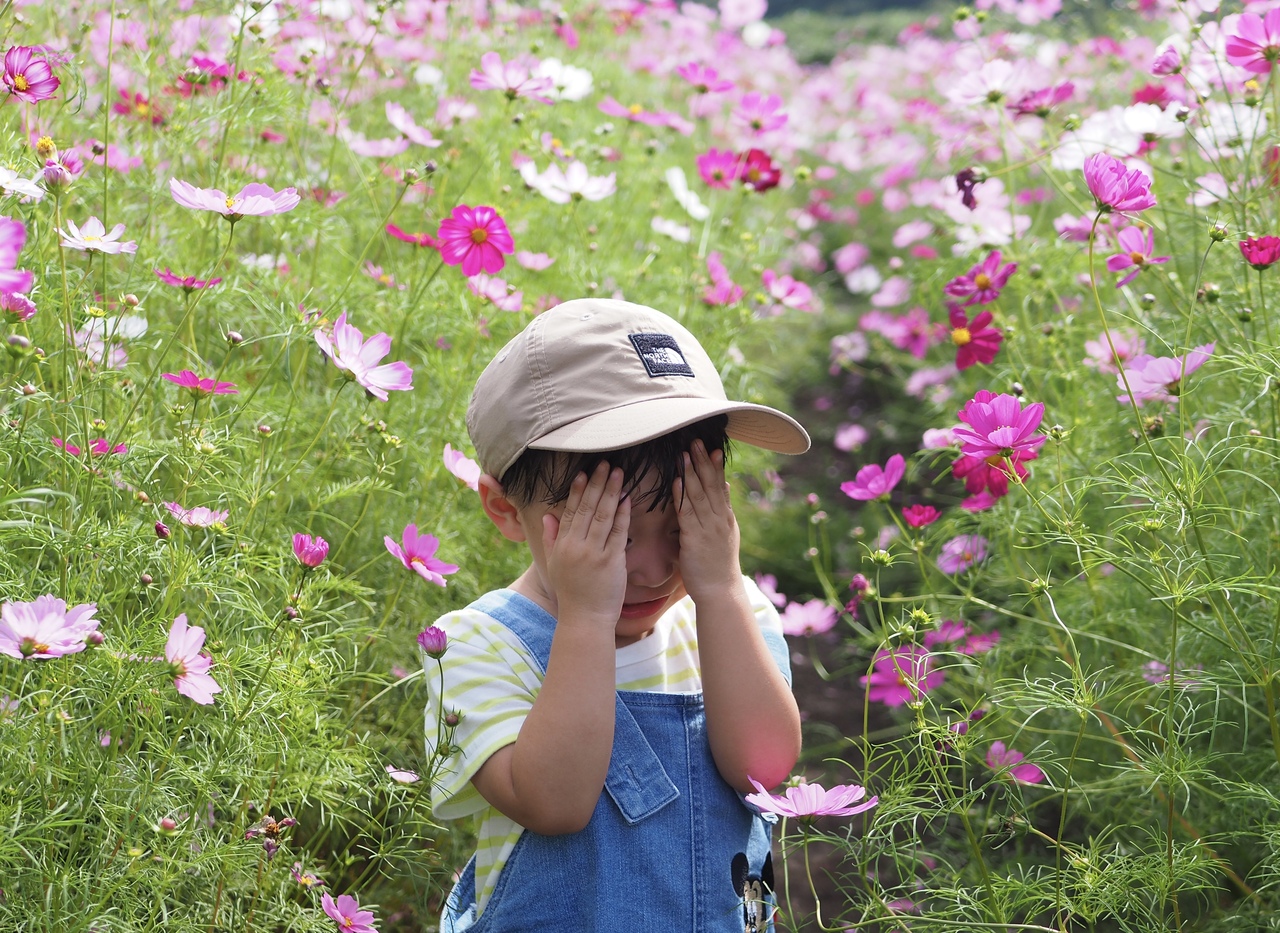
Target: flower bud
x,y
45,148
411,176
145,579
1218,232
235,338
452,719
167,825
1244,315
162,531
433,641
882,557
131,300
29,389
94,639
290,613
264,430
1147,301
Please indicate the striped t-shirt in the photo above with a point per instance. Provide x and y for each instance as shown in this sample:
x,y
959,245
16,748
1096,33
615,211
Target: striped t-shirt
x,y
490,681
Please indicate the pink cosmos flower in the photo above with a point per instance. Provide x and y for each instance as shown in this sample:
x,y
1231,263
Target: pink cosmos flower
x,y
474,238
189,666
512,78
401,776
875,482
998,425
786,292
357,359
44,628
27,75
1167,61
1115,187
417,239
253,200
950,632
1128,345
496,291
574,183
99,447
976,340
637,114
979,502
1136,246
310,551
403,121
200,387
1005,760
346,912
807,801
199,517
188,282
382,277
850,437
809,618
16,307
384,148
768,584
1254,46
1260,251
705,80
1041,102
758,173
983,282
462,466
990,474
534,262
418,554
306,879
93,237
901,675
1159,378
718,168
760,113
961,553
918,516
433,641
911,331
721,291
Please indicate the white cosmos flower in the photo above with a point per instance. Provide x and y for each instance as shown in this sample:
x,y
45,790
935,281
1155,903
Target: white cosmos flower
x,y
564,185
13,183
687,199
672,229
571,82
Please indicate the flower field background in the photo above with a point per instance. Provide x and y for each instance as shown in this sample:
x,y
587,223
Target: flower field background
x,y
253,257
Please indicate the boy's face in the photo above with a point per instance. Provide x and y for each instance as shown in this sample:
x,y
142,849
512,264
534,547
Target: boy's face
x,y
654,583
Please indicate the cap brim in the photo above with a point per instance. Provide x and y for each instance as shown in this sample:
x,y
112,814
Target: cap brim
x,y
757,425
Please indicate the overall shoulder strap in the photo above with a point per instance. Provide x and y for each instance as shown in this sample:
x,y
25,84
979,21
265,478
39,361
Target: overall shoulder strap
x,y
636,781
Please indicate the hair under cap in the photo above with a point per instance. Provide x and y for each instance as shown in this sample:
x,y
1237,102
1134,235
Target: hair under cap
x,y
596,374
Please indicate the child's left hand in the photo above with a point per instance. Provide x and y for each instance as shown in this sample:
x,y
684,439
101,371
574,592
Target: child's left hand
x,y
709,533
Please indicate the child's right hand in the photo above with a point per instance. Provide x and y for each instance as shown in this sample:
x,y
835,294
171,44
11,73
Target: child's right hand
x,y
586,548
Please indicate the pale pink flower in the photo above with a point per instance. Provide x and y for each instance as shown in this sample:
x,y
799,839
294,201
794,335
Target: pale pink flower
x,y
1115,187
44,628
1128,345
1137,244
808,618
382,277
495,290
534,262
403,121
575,183
401,777
961,553
1159,378
512,78
760,113
13,236
786,292
199,517
462,466
722,290
253,200
16,307
811,800
705,80
189,666
768,584
357,359
1255,44
418,555
93,237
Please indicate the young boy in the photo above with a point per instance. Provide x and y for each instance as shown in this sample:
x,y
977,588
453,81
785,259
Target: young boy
x,y
616,699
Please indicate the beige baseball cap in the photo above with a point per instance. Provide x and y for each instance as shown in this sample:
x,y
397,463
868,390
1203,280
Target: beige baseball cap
x,y
597,374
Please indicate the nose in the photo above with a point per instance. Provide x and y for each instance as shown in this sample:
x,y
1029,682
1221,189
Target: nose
x,y
651,560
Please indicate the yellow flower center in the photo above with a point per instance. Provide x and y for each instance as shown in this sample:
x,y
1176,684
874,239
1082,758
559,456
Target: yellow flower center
x,y
636,109
20,82
45,147
385,278
143,108
231,202
995,460
479,235
982,280
961,336
30,646
1137,258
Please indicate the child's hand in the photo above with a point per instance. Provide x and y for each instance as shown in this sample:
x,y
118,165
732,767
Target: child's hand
x,y
708,528
586,548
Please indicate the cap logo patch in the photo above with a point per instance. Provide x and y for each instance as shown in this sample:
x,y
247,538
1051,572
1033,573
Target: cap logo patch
x,y
661,355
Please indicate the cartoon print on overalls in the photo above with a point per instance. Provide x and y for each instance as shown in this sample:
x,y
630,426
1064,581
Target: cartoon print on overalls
x,y
753,889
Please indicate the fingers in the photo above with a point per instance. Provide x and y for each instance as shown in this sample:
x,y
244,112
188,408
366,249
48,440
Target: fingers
x,y
595,506
703,489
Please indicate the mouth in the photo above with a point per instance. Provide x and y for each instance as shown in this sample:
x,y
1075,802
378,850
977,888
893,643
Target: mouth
x,y
644,609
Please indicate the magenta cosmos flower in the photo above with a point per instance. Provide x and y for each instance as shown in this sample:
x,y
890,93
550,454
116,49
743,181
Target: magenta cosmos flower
x,y
188,282
901,675
358,358
998,425
474,238
991,474
1260,251
807,801
433,641
705,80
45,628
961,553
719,168
918,516
1137,244
93,237
1115,187
874,481
199,517
418,554
1005,760
13,236
760,113
346,913
16,307
758,172
976,340
99,447
808,618
200,387
1159,378
190,668
310,551
28,75
983,282
1254,46
253,200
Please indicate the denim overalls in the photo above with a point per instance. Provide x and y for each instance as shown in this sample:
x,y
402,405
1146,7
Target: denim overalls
x,y
657,853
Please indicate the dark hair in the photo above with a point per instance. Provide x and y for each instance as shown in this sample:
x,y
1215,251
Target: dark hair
x,y
546,475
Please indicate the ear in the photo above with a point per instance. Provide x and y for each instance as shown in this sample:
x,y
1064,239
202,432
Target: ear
x,y
502,511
